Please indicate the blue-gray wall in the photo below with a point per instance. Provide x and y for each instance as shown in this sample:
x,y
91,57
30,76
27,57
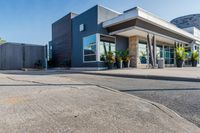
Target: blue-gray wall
x,y
92,19
89,19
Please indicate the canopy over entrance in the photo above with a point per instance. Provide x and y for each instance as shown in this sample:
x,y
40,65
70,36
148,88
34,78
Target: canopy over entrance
x,y
139,22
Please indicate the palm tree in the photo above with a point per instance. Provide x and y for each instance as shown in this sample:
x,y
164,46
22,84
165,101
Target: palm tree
x,y
2,41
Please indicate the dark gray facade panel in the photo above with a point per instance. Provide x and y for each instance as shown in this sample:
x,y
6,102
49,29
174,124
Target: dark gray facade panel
x,y
15,56
11,57
33,54
62,41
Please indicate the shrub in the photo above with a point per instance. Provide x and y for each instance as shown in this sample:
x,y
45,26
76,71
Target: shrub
x,y
181,54
110,58
195,56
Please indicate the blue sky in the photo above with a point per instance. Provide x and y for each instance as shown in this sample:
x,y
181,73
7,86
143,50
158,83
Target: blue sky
x,y
29,21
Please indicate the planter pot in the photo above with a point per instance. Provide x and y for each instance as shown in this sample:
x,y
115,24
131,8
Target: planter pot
x,y
179,63
119,64
194,63
143,60
110,65
126,64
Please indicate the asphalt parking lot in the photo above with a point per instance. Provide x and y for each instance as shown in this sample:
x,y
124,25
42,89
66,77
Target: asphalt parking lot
x,y
63,102
180,96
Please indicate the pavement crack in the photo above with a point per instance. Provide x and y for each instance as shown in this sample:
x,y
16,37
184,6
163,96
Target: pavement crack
x,y
27,81
161,109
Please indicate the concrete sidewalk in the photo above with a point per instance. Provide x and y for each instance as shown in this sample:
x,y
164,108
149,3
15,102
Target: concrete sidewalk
x,y
175,74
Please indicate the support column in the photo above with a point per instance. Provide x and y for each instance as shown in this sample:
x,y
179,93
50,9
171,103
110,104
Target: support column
x,y
154,50
133,43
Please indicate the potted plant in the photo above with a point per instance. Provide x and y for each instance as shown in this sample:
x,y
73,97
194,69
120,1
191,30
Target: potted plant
x,y
180,56
195,58
126,58
110,60
143,58
119,60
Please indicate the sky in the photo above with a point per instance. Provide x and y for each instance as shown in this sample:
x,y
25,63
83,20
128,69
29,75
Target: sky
x,y
29,21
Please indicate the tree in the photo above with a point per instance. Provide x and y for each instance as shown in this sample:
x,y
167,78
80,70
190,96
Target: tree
x,y
2,41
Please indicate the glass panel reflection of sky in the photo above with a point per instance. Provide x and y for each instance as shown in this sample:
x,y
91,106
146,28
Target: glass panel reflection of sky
x,y
89,46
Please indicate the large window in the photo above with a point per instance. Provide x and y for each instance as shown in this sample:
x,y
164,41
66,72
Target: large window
x,y
96,46
159,54
89,48
169,55
107,44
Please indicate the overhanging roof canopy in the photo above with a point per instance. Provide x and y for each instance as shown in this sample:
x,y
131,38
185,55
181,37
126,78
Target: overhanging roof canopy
x,y
139,18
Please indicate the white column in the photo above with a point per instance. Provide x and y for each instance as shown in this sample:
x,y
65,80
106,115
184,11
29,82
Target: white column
x,y
98,47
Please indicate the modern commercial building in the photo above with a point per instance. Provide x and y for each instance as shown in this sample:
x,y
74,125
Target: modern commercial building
x,y
80,41
15,56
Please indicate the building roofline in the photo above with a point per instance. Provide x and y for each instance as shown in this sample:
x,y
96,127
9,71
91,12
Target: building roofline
x,y
98,5
70,13
149,17
110,9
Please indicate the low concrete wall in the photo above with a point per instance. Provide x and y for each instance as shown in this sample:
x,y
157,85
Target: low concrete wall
x,y
15,56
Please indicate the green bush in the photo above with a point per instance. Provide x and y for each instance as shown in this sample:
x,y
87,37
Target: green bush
x,y
125,56
195,56
181,54
110,58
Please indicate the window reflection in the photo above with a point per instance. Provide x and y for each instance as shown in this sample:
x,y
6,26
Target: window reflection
x,y
106,44
169,55
89,46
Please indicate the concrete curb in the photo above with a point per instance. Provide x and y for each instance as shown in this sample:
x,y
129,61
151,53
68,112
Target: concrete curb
x,y
155,77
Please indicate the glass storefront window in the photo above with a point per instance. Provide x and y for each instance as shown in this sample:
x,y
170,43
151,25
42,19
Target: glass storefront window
x,y
89,48
142,52
107,44
95,47
162,51
169,55
159,50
